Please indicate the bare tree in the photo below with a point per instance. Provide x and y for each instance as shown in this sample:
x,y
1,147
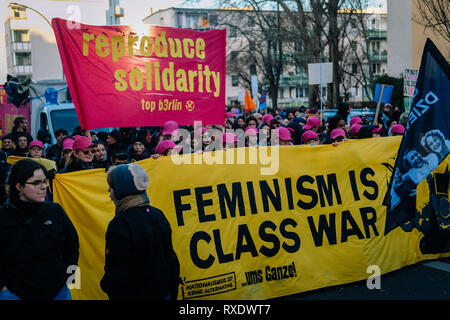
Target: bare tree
x,y
321,26
256,44
435,15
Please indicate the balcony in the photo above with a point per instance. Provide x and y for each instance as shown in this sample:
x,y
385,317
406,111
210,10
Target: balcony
x,y
293,81
23,70
377,34
21,46
378,56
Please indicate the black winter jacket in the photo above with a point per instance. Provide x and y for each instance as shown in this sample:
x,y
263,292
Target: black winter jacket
x,y
140,260
37,244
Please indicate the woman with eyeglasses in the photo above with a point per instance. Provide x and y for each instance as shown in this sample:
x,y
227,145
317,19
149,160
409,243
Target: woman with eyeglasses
x,y
39,244
82,157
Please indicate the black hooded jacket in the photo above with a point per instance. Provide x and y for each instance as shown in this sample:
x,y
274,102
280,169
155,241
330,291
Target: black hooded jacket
x,y
38,244
140,260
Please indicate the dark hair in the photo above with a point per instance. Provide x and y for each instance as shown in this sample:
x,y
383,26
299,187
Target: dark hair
x,y
77,131
21,171
8,136
44,136
333,121
250,119
21,134
102,136
18,121
61,131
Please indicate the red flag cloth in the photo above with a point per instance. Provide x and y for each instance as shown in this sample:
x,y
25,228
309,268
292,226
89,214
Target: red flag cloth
x,y
120,78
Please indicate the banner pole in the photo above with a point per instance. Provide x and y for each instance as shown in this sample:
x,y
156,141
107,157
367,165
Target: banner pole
x,y
379,104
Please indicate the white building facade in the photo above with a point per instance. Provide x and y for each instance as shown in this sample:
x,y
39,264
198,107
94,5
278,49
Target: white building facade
x,y
293,85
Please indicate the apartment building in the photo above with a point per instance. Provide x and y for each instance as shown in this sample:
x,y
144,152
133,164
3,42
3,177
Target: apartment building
x,y
18,45
293,85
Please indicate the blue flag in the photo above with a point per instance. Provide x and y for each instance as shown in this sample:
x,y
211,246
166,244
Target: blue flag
x,y
387,93
426,140
263,100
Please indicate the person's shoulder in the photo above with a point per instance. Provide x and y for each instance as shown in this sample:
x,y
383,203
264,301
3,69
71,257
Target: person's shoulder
x,y
53,208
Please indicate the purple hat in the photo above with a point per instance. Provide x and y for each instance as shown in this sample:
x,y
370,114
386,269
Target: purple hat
x,y
170,128
376,130
67,144
308,135
337,133
228,137
267,117
251,131
312,122
36,143
230,115
284,134
82,142
164,145
355,120
354,129
397,129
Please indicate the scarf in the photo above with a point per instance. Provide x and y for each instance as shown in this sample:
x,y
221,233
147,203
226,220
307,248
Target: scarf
x,y
134,200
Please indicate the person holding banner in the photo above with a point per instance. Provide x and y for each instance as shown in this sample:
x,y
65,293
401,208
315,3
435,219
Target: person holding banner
x,y
82,156
36,149
39,243
140,262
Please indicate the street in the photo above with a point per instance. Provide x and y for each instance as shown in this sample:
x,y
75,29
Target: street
x,y
427,280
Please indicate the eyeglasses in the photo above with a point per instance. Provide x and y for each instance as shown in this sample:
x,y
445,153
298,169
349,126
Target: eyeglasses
x,y
86,152
37,183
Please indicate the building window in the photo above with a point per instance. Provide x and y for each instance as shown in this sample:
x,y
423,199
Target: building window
x,y
195,21
213,20
18,13
179,20
376,46
354,68
22,58
252,69
354,46
234,81
20,35
233,56
292,93
376,68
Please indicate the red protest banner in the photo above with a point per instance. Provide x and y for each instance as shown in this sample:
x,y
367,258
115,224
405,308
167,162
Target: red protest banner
x,y
119,78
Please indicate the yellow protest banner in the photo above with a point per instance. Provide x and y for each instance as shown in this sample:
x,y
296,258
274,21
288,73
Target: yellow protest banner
x,y
48,164
314,218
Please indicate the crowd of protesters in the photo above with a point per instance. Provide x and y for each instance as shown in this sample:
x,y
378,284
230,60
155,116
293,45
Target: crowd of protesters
x,y
80,150
26,214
